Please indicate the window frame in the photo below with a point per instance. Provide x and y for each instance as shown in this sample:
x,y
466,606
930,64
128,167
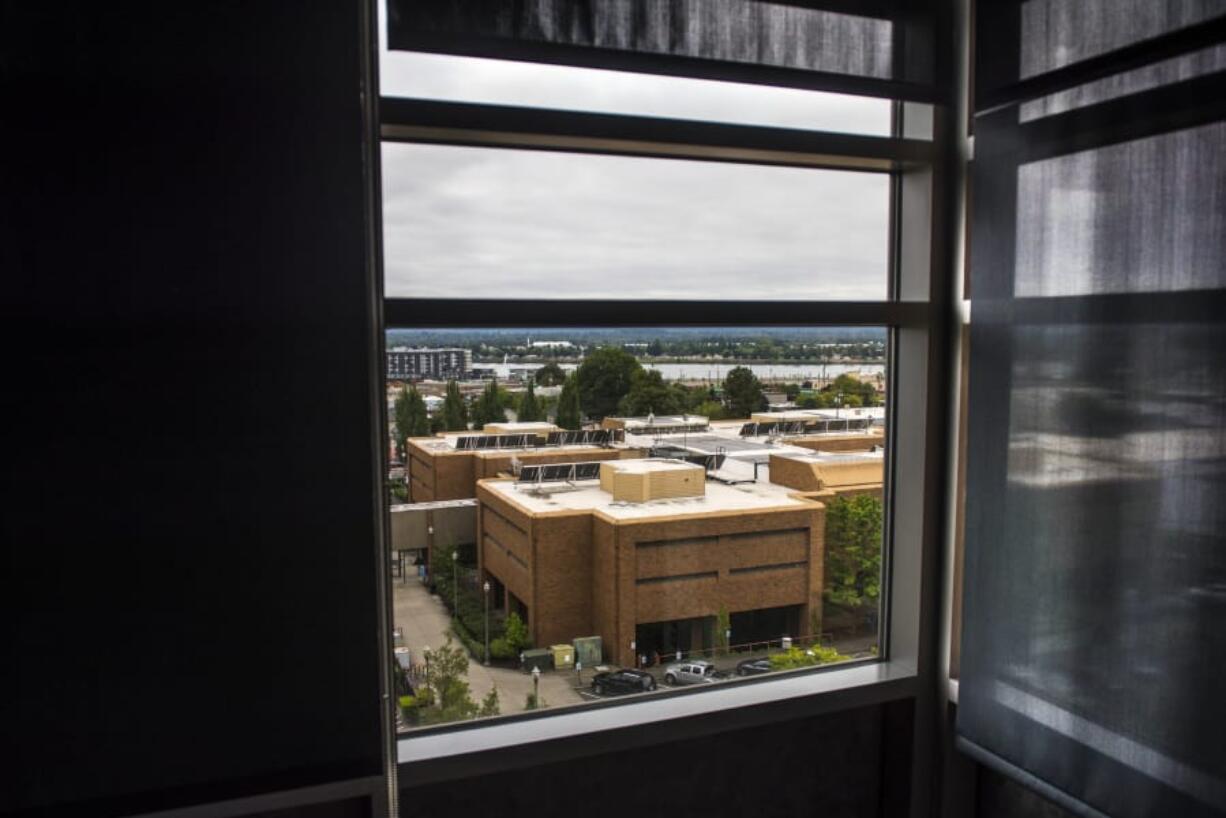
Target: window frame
x,y
917,312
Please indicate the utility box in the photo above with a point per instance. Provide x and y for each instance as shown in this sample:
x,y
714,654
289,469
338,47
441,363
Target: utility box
x,y
563,656
589,651
541,658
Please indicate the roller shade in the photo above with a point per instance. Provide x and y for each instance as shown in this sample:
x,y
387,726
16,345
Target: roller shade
x,y
881,48
1094,618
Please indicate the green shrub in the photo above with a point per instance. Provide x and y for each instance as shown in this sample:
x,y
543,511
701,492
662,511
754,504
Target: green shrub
x,y
516,634
474,646
501,649
795,657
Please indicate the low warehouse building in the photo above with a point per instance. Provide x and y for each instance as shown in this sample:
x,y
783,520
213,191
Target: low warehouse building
x,y
448,467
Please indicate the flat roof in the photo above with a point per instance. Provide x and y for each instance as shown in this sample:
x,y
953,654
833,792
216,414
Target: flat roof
x,y
447,444
650,464
842,413
587,495
703,443
808,456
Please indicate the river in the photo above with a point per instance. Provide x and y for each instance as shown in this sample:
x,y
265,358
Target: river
x,y
710,371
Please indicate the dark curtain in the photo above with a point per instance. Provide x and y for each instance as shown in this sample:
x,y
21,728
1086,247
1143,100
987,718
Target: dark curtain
x,y
1094,619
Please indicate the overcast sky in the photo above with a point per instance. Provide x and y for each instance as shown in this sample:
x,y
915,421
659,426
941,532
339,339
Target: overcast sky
x,y
502,223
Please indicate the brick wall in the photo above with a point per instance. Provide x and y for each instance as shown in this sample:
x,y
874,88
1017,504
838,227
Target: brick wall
x,y
585,569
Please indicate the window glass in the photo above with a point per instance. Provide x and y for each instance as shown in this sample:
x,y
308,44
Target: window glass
x,y
570,503
463,222
535,85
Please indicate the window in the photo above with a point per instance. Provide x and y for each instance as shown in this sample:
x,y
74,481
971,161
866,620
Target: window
x,y
530,231
694,505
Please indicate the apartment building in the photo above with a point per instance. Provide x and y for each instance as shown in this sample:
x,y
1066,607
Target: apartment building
x,y
435,364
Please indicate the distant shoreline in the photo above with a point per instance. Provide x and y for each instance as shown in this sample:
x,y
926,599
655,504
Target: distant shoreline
x,y
708,361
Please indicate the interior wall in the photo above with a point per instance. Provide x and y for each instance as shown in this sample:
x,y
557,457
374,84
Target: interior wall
x,y
189,474
852,763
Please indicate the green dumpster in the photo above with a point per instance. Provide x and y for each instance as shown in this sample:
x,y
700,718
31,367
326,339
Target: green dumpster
x,y
540,658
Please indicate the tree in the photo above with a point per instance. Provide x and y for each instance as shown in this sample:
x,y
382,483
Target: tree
x,y
550,375
655,348
455,413
529,408
855,391
569,415
488,408
711,410
853,550
743,392
448,684
412,420
517,634
489,705
649,393
723,624
604,379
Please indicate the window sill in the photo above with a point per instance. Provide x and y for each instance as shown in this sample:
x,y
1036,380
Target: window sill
x,y
537,738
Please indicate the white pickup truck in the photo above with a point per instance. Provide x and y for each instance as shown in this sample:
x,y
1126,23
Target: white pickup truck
x,y
691,673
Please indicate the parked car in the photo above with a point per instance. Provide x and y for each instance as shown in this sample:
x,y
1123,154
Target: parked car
x,y
622,681
691,673
752,667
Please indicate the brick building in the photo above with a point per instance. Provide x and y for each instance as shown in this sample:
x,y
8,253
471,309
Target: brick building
x,y
648,555
439,470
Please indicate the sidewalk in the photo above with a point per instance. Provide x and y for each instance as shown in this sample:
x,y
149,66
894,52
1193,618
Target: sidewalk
x,y
425,624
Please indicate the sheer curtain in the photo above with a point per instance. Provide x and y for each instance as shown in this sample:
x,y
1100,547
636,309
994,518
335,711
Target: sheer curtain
x,y
1094,619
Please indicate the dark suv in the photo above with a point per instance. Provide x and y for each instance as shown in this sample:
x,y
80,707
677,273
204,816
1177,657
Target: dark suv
x,y
622,681
752,667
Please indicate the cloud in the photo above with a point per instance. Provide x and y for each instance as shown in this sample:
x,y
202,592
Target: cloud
x,y
514,223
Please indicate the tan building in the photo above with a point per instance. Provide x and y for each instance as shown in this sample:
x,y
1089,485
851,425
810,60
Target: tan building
x,y
439,470
826,474
648,561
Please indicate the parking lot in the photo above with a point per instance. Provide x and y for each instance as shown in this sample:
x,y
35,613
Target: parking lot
x,y
425,623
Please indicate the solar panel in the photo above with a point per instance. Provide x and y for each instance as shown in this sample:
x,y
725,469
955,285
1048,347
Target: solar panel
x,y
559,472
587,471
512,441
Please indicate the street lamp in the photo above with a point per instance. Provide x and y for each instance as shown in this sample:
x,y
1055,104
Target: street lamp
x,y
426,653
455,579
536,687
486,588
